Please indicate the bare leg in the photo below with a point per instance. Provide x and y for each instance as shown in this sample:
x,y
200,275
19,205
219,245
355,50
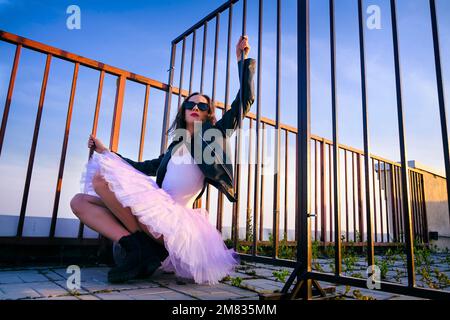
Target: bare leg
x,y
124,214
93,213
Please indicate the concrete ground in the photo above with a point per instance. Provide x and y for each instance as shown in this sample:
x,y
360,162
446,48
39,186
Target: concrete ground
x,y
247,283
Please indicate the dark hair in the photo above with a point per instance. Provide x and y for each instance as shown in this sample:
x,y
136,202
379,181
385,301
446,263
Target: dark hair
x,y
180,119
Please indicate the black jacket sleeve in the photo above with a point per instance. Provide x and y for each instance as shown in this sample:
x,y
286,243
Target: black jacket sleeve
x,y
230,119
149,167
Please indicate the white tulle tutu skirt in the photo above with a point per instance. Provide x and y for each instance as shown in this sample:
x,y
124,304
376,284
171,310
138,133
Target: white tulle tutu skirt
x,y
196,248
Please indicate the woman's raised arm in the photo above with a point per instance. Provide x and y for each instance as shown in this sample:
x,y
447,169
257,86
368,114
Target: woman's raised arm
x,y
229,121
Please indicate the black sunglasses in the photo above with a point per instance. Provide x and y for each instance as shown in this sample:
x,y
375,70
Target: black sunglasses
x,y
189,105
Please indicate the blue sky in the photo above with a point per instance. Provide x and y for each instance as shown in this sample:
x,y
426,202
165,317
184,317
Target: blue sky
x,y
136,35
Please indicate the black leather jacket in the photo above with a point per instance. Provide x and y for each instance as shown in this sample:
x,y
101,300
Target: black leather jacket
x,y
218,173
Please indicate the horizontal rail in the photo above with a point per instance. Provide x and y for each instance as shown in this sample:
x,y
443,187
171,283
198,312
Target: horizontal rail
x,y
71,57
206,19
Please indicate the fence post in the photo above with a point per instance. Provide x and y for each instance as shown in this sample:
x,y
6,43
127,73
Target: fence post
x,y
117,117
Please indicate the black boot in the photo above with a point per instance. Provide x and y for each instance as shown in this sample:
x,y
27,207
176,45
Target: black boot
x,y
158,252
136,260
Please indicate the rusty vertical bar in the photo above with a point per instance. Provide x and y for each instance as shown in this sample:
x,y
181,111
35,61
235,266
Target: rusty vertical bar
x,y
381,200
316,191
441,95
227,80
276,178
369,213
386,200
261,213
249,180
33,148
117,116
236,205
393,204
419,211
94,131
336,166
303,156
216,49
183,53
424,209
207,200
354,197
413,204
168,101
64,151
323,208
360,200
191,77
419,207
400,201
12,81
374,200
256,194
403,156
286,176
397,204
219,218
330,190
347,224
213,94
296,218
144,122
202,74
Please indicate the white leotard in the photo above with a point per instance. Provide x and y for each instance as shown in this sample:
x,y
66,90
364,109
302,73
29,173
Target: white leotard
x,y
183,179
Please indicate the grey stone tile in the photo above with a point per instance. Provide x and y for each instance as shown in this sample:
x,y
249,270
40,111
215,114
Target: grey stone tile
x,y
51,275
14,291
262,285
148,297
242,274
48,289
113,295
155,290
235,290
192,290
441,267
31,276
63,284
147,294
218,291
9,277
176,296
220,295
254,297
267,273
376,294
87,297
96,285
61,272
59,298
96,279
400,297
87,273
325,268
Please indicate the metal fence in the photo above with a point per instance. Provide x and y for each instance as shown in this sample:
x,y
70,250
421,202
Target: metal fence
x,y
303,272
376,208
385,199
